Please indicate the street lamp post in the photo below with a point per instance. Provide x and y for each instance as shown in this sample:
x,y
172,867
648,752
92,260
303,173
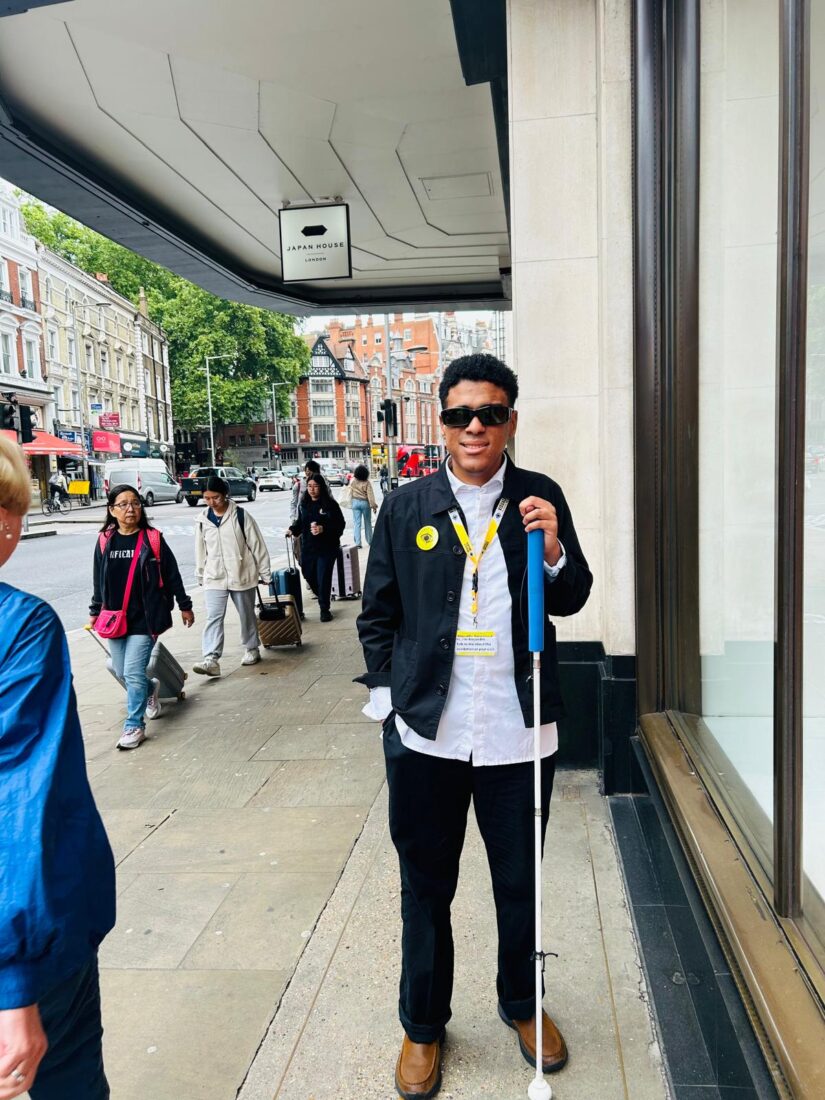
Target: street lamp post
x,y
275,412
211,359
82,390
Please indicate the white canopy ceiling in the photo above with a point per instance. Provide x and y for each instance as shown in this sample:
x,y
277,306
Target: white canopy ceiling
x,y
212,115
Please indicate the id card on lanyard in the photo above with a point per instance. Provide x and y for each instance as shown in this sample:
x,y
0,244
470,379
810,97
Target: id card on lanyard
x,y
485,645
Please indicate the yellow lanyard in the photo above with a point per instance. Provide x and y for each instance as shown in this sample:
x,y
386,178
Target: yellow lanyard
x,y
464,539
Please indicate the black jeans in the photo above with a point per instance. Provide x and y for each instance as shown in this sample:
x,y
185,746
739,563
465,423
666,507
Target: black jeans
x,y
317,569
73,1064
429,800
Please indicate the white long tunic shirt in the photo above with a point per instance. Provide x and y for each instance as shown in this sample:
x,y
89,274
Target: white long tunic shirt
x,y
482,719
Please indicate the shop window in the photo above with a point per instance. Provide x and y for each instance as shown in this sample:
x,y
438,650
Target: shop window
x,y
813,752
737,405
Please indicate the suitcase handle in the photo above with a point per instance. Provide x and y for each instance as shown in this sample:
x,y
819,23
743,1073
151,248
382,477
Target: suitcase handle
x,y
89,629
290,553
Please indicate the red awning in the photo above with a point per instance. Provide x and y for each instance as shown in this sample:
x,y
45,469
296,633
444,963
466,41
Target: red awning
x,y
45,443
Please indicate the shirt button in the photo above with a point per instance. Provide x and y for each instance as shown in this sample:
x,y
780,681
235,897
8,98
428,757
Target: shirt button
x,y
451,597
459,553
444,643
441,689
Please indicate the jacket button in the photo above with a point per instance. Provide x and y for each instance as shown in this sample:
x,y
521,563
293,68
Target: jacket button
x,y
459,553
441,689
444,643
451,597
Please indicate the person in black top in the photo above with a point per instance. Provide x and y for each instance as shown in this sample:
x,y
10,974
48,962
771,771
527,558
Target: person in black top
x,y
320,523
157,582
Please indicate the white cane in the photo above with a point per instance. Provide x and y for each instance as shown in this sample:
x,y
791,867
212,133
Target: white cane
x,y
539,1088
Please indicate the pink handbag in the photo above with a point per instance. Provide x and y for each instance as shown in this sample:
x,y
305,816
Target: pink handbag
x,y
113,624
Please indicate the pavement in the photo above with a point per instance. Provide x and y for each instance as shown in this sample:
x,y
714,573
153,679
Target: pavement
x,y
256,948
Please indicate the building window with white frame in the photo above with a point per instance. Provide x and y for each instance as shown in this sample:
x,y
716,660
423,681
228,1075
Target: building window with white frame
x,y
324,433
104,363
71,351
32,359
90,360
5,286
52,344
25,280
7,353
323,408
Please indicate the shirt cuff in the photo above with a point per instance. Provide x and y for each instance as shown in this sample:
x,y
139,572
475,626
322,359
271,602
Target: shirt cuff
x,y
553,571
380,704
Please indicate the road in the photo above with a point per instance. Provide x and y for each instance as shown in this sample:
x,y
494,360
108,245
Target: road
x,y
59,569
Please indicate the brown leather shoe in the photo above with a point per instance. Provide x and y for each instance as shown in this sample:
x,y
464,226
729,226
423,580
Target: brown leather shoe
x,y
554,1048
418,1070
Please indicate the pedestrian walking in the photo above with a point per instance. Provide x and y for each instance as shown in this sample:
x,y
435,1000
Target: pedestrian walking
x,y
299,487
384,479
136,571
58,486
320,524
57,874
231,559
450,678
363,503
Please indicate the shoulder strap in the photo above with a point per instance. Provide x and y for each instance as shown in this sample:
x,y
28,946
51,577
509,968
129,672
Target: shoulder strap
x,y
104,537
241,519
154,543
132,568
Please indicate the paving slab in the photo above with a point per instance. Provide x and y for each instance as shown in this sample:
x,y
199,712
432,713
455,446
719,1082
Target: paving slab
x,y
251,839
345,782
160,917
184,1034
263,922
322,742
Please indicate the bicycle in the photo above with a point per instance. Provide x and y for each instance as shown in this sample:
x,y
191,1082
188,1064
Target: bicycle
x,y
61,505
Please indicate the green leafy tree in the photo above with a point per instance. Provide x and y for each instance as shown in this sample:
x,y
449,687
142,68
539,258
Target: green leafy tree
x,y
260,347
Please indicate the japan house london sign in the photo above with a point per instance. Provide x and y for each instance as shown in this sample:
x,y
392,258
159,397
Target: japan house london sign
x,y
315,243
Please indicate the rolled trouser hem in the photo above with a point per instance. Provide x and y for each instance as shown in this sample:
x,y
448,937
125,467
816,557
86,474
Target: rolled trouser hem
x,y
524,1009
422,1033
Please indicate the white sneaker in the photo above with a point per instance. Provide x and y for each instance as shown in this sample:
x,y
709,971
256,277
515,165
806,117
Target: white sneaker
x,y
208,667
130,739
251,657
153,705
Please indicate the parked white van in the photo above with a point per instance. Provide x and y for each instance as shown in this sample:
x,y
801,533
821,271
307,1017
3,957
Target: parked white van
x,y
150,476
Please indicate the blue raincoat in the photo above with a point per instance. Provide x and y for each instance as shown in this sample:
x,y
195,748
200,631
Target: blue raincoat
x,y
57,878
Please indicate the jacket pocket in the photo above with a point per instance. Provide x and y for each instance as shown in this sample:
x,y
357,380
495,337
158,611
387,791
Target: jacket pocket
x,y
404,665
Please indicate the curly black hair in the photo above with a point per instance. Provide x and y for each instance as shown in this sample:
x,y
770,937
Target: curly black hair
x,y
479,368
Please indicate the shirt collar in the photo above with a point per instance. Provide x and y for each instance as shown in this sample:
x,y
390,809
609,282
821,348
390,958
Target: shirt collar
x,y
496,481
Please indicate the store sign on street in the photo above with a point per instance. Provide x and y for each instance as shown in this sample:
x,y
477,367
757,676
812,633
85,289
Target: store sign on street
x,y
108,421
106,442
315,243
69,436
96,406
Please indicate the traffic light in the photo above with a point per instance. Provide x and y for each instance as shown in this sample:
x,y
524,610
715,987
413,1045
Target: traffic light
x,y
10,414
26,427
389,415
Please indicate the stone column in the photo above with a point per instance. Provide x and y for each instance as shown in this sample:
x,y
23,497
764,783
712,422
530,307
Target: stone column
x,y
571,209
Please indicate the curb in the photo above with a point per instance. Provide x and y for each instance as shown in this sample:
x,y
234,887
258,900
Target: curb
x,y
37,534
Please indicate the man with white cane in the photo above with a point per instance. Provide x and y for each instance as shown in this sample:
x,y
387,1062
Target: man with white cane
x,y
445,640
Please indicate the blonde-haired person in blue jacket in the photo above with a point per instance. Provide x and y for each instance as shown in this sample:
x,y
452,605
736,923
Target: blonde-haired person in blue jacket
x,y
57,875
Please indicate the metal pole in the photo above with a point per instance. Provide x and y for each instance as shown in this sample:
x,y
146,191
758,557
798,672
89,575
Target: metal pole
x,y
275,424
209,399
392,444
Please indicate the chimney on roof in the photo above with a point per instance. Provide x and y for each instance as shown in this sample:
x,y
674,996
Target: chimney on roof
x,y
143,305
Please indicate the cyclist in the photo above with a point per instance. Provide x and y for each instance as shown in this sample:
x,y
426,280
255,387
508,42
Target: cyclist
x,y
58,486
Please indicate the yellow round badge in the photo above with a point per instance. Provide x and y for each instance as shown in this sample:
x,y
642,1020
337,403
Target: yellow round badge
x,y
426,538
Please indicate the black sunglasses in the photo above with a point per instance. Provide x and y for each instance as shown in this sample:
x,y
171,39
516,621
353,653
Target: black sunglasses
x,y
491,416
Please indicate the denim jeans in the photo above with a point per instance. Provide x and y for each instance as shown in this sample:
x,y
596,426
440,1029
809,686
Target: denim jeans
x,y
73,1064
130,656
362,511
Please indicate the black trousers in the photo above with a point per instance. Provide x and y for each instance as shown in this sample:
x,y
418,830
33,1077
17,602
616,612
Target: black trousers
x,y
429,800
317,570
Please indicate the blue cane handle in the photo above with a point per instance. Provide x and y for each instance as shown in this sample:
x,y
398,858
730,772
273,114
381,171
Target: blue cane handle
x,y
535,590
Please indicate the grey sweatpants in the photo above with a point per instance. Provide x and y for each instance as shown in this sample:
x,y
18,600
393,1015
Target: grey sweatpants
x,y
216,601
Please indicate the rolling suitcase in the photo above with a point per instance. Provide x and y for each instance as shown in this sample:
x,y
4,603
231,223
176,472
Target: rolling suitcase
x,y
278,621
346,576
287,582
162,667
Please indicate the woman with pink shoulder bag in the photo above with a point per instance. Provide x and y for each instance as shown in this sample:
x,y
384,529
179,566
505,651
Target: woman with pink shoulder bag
x,y
136,580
